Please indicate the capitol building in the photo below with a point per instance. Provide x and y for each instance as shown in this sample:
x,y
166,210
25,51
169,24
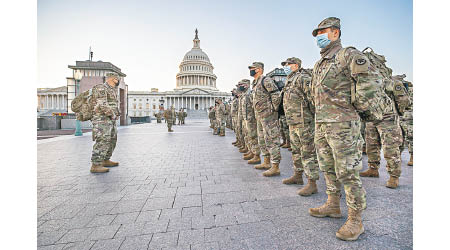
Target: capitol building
x,y
195,89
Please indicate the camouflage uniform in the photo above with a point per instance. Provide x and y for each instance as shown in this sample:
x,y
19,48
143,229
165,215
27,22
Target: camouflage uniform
x,y
337,134
284,129
104,131
299,112
266,99
234,114
407,122
169,115
220,118
158,117
240,119
387,133
212,118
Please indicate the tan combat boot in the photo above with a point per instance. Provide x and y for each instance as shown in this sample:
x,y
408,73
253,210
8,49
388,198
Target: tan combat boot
x,y
109,163
255,160
244,150
234,143
309,189
98,168
294,179
331,208
265,164
410,163
353,227
392,182
273,171
370,172
248,156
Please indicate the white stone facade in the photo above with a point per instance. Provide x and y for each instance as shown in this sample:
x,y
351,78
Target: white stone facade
x,y
52,99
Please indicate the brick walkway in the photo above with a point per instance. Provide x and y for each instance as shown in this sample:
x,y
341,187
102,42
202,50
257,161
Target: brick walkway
x,y
191,190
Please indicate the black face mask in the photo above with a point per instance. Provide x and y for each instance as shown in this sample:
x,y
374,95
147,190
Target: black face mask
x,y
242,88
252,72
117,84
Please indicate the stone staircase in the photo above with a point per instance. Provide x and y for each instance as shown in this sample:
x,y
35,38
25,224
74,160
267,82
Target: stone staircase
x,y
197,114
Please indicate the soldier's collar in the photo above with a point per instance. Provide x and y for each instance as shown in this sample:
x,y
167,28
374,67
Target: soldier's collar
x,y
331,50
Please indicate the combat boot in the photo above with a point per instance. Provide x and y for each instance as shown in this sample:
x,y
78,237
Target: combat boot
x,y
410,163
248,156
265,164
170,130
244,150
309,189
234,143
353,227
255,160
370,172
222,134
294,179
331,208
392,182
98,168
273,171
109,163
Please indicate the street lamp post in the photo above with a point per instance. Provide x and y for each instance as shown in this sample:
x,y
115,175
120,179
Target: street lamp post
x,y
78,76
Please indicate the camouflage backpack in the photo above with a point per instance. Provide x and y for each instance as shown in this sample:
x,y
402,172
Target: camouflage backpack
x,y
393,86
83,106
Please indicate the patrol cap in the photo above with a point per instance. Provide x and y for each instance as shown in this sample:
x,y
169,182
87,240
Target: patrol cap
x,y
292,60
327,23
244,81
256,65
112,74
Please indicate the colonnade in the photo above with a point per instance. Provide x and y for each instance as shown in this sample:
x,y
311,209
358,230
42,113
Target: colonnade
x,y
52,101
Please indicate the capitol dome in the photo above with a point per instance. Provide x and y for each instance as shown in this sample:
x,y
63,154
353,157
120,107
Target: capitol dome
x,y
196,71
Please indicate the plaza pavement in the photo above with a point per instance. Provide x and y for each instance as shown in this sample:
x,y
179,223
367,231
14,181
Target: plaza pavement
x,y
191,190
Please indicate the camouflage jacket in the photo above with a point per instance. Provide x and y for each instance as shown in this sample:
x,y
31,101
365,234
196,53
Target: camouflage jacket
x,y
333,81
169,114
240,105
266,96
234,107
408,114
248,113
220,111
212,114
298,108
106,102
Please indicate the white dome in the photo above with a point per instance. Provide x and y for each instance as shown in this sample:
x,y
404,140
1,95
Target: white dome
x,y
196,54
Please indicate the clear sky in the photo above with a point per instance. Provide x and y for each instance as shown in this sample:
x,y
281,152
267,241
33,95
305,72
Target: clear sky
x,y
148,39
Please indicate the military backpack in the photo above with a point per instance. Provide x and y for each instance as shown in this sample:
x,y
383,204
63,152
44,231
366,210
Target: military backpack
x,y
83,106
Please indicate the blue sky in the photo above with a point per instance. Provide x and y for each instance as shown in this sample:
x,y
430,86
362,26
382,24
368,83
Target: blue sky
x,y
148,39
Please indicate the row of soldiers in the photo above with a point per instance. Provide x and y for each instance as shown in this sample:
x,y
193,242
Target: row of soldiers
x,y
170,117
321,112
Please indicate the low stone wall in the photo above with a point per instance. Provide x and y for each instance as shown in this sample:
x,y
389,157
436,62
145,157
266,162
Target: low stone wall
x,y
49,122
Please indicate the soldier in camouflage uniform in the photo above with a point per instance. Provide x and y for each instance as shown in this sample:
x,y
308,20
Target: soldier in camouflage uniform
x,y
266,102
212,117
406,121
234,109
299,112
220,116
228,115
387,132
249,124
344,83
104,130
240,128
169,115
158,116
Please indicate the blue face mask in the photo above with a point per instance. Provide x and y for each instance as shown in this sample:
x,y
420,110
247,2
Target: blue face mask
x,y
322,40
287,70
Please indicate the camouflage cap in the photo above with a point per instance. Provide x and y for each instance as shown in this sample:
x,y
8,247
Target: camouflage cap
x,y
292,60
256,65
244,81
327,23
112,74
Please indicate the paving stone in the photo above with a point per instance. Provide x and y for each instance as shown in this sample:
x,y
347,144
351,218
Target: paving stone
x,y
192,212
102,220
188,201
125,218
49,238
84,245
140,242
128,206
112,244
51,225
51,247
157,226
191,237
206,246
225,220
217,234
180,224
104,232
160,240
151,215
203,222
78,234
158,203
132,229
170,213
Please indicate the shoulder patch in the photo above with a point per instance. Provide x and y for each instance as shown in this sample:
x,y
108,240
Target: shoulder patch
x,y
361,61
398,88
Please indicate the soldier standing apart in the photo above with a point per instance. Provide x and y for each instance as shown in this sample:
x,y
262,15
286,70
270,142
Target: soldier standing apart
x,y
104,131
184,117
169,115
220,117
211,117
343,83
299,112
266,102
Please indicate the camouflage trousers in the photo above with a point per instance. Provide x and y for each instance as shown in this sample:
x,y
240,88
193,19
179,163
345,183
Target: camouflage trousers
x,y
339,151
233,121
363,133
220,122
304,155
386,134
169,123
284,129
211,122
407,132
269,136
239,133
252,136
104,133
